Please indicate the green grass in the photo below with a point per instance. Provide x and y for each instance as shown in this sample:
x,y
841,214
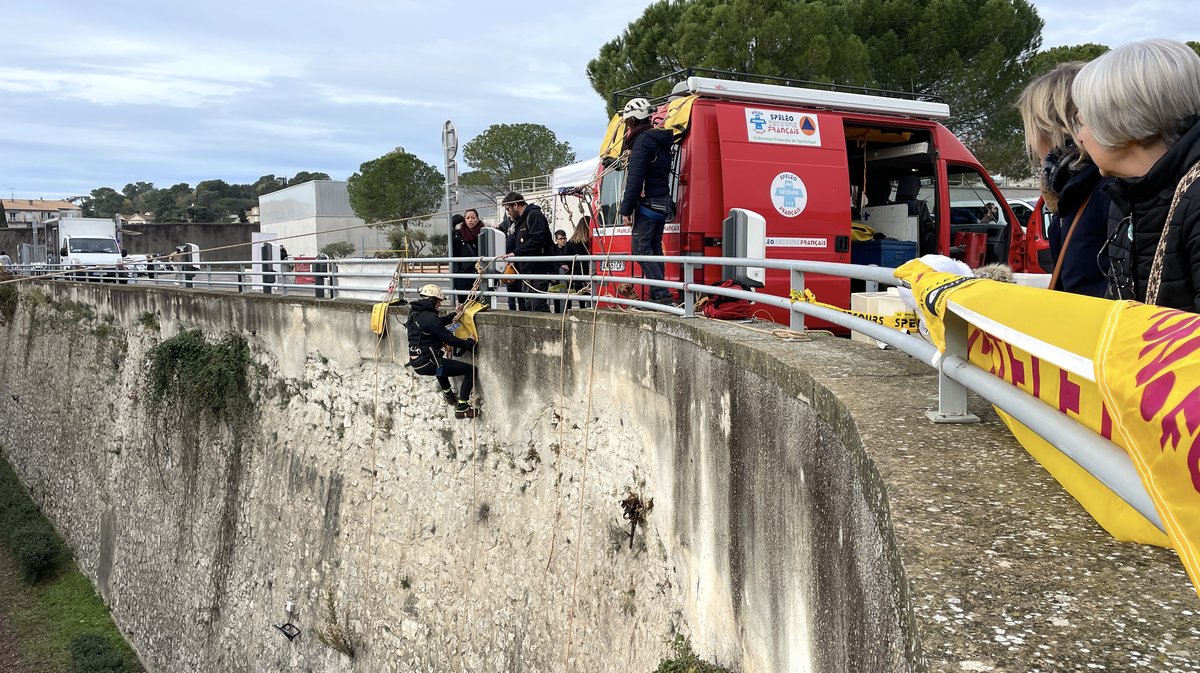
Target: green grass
x,y
46,616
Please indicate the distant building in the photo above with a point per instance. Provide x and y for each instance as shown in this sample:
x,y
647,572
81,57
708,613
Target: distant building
x,y
25,213
321,209
140,218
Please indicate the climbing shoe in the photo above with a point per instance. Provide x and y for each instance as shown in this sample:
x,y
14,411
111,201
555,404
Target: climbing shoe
x,y
465,410
450,397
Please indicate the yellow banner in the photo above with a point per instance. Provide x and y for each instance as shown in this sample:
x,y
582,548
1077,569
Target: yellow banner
x,y
1128,372
904,321
1148,366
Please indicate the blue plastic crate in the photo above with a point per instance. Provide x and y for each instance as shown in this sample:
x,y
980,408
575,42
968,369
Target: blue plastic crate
x,y
886,253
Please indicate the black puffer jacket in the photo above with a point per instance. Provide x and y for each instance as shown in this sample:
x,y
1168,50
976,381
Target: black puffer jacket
x,y
1136,220
649,174
1081,271
462,248
532,237
427,330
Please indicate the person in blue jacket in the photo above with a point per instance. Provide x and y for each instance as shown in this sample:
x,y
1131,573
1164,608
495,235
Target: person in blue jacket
x,y
646,205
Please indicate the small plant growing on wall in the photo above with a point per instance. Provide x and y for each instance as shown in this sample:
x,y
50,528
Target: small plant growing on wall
x,y
334,634
149,320
203,379
685,660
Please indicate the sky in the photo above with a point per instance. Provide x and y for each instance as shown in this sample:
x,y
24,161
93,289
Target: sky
x,y
102,94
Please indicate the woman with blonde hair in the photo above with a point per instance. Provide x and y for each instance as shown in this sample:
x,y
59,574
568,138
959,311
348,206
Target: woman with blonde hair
x,y
1139,120
1071,184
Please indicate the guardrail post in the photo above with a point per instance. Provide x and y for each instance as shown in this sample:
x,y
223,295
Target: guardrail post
x,y
796,319
208,269
689,297
320,267
952,395
241,276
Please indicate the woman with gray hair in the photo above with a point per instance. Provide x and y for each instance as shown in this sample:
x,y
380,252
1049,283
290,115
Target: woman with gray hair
x,y
1139,120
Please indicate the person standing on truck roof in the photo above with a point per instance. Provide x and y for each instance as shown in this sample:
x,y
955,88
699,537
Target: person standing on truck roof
x,y
646,205
1072,188
428,338
533,239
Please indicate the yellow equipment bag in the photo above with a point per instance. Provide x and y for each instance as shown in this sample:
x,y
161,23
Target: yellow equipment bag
x,y
1128,371
379,314
466,322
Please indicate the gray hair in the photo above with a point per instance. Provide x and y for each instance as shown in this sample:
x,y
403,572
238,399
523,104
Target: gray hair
x,y
1139,92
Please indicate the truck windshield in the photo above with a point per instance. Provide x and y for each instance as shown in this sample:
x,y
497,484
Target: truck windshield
x,y
93,245
611,190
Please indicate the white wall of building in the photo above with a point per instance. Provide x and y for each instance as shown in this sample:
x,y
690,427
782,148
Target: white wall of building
x,y
317,213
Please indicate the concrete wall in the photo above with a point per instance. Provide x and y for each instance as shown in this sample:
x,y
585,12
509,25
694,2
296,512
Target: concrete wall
x,y
162,238
487,546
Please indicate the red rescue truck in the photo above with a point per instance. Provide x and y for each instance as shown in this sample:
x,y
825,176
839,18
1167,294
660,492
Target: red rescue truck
x,y
811,161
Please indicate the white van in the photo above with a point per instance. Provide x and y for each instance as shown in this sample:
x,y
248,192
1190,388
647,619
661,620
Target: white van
x,y
87,242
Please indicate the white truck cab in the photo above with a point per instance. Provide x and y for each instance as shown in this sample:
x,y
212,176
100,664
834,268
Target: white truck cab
x,y
86,242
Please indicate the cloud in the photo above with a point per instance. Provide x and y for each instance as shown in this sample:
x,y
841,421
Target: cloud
x,y
111,70
343,96
119,88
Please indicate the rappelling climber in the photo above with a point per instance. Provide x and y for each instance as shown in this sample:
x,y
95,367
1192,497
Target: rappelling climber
x,y
429,343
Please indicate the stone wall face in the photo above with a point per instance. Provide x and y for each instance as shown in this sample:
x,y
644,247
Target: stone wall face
x,y
452,545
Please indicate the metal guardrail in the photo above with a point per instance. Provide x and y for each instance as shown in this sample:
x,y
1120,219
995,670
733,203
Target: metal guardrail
x,y
358,280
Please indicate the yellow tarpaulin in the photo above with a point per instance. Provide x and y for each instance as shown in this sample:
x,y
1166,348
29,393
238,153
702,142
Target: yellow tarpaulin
x,y
678,115
1126,371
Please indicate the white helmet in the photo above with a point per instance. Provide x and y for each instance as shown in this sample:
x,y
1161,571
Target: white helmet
x,y
432,291
638,108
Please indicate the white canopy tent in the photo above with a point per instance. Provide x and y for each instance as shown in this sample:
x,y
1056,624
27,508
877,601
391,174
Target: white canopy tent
x,y
574,175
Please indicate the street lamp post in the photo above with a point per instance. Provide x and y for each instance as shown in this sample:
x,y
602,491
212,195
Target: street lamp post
x,y
450,146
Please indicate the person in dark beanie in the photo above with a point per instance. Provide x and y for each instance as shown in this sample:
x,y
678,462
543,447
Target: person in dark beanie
x,y
531,232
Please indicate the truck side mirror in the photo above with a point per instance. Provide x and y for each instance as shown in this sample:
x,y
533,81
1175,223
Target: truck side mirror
x,y
63,252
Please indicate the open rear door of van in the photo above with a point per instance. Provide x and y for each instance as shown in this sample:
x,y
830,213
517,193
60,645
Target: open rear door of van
x,y
790,167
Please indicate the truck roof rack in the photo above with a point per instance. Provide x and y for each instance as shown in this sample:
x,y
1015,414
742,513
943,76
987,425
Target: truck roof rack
x,y
770,89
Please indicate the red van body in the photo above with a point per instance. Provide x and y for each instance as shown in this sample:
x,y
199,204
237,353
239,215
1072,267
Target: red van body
x,y
808,169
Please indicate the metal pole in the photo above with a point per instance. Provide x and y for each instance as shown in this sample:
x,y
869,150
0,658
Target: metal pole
x,y
450,147
689,297
952,395
796,319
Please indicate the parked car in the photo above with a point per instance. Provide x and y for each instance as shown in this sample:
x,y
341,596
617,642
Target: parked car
x,y
1022,208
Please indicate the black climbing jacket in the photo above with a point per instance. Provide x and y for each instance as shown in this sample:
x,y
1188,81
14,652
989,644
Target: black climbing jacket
x,y
427,330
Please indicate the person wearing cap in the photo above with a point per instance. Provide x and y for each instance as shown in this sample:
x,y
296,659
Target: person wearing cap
x,y
428,338
531,233
646,205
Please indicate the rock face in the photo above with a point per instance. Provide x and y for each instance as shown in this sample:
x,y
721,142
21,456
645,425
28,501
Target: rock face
x,y
769,534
